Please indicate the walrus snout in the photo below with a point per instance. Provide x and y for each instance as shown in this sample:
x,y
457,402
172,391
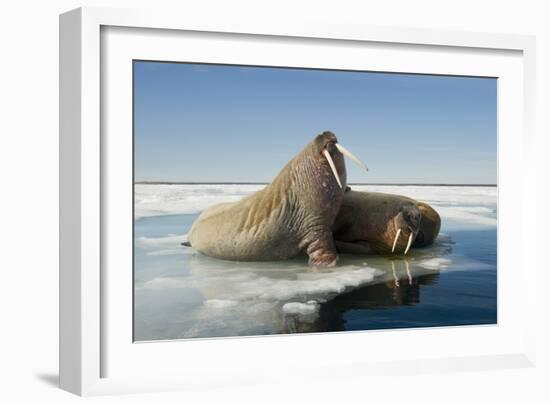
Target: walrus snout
x,y
411,215
407,225
327,145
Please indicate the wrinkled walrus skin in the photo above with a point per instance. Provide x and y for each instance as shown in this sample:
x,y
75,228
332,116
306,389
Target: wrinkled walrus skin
x,y
294,213
380,223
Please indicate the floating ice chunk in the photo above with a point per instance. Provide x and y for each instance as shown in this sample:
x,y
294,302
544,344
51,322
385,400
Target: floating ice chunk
x,y
436,263
300,308
247,282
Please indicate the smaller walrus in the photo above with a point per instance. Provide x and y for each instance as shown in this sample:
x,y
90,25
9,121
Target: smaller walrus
x,y
294,213
371,222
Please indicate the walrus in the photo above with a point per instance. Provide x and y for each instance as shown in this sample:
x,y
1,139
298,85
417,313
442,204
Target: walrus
x,y
381,223
430,224
293,214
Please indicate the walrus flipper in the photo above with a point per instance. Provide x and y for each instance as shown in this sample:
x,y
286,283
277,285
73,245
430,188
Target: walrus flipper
x,y
186,243
322,251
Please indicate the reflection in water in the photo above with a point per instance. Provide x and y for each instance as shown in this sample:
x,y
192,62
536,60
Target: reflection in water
x,y
396,288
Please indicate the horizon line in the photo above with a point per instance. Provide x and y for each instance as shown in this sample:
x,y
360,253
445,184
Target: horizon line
x,y
351,184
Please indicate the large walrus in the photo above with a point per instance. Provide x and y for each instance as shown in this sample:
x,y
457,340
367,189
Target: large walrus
x,y
294,213
371,222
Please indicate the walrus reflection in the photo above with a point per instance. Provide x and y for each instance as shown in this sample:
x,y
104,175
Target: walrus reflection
x,y
400,289
389,294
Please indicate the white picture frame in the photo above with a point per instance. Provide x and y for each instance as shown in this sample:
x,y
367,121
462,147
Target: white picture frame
x,y
96,356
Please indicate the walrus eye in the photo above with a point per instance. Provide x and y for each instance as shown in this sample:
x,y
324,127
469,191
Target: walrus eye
x,y
348,154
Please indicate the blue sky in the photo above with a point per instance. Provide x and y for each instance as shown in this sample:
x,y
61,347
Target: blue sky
x,y
210,123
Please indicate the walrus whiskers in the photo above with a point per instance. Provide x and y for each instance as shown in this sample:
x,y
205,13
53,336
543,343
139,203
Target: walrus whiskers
x,y
395,240
331,163
348,153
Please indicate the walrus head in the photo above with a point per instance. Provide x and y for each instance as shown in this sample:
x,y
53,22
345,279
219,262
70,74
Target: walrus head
x,y
404,227
388,224
319,174
326,146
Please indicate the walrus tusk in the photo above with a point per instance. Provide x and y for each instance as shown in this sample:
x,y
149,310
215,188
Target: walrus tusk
x,y
350,155
331,163
409,243
408,272
395,278
395,240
